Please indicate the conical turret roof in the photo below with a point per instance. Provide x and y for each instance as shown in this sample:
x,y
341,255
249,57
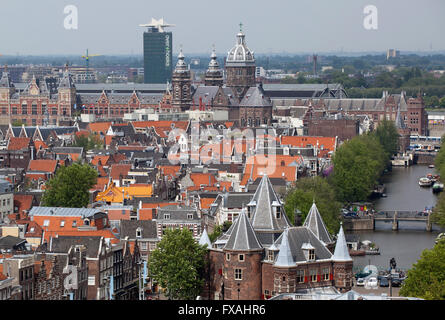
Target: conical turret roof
x,y
205,239
242,236
265,199
285,258
315,223
341,252
181,66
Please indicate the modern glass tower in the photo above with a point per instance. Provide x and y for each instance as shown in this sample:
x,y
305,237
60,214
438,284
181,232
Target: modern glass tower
x,y
158,47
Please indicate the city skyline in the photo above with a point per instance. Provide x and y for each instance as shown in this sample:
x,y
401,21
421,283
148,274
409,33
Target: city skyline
x,y
112,28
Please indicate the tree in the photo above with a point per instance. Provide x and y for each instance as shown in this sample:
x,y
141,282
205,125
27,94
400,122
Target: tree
x,y
306,191
178,263
426,279
388,137
442,102
219,229
70,186
358,164
89,142
438,215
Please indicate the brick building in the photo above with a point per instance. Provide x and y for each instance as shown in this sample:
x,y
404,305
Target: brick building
x,y
262,255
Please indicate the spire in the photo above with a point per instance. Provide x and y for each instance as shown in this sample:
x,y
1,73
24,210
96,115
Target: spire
x,y
205,239
264,217
242,236
315,223
5,81
285,257
213,64
341,252
181,65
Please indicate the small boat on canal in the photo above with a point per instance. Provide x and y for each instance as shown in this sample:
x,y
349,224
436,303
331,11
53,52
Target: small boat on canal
x,y
437,187
425,182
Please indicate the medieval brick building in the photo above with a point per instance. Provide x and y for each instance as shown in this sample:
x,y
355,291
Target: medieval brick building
x,y
262,255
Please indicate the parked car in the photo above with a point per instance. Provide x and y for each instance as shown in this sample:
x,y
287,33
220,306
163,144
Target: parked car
x,y
396,281
372,282
350,215
361,282
384,282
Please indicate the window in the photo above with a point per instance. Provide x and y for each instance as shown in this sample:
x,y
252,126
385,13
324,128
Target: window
x,y
325,274
238,274
91,280
62,223
152,246
190,216
166,216
227,256
138,233
46,223
313,274
241,257
74,224
300,276
270,255
311,254
144,246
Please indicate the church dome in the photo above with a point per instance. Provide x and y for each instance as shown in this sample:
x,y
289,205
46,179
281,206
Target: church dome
x,y
240,53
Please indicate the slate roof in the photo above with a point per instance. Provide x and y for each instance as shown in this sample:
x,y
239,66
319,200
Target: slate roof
x,y
206,93
264,218
9,242
205,239
177,213
65,212
5,81
297,237
62,244
285,257
148,229
242,236
255,97
315,223
341,252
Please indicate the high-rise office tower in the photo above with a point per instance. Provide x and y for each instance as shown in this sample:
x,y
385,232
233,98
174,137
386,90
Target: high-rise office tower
x,y
158,46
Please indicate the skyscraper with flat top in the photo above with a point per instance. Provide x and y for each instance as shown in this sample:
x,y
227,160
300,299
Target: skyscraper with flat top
x,y
158,46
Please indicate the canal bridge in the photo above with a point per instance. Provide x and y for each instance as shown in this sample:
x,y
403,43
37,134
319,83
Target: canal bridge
x,y
367,222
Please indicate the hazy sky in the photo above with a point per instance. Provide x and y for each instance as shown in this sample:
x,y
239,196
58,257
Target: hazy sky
x,y
271,26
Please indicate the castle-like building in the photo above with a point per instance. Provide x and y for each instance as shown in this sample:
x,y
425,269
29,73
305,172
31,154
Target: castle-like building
x,y
262,255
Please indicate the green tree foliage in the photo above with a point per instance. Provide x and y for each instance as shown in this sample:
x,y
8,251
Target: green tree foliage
x,y
438,215
426,279
388,137
307,190
439,162
219,230
358,164
89,142
70,186
177,264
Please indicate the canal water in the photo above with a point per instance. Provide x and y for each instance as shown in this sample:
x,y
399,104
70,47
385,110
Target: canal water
x,y
406,245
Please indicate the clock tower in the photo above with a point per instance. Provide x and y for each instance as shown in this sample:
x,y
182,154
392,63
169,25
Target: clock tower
x,y
181,84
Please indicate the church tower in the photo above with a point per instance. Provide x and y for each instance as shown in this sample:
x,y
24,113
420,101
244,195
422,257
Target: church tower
x,y
214,76
66,94
240,67
6,88
181,83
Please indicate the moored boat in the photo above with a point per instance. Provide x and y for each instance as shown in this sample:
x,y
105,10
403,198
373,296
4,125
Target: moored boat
x,y
438,187
425,182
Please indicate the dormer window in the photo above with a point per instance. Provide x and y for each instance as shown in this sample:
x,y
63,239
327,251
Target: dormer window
x,y
138,233
166,216
311,254
86,222
278,212
190,216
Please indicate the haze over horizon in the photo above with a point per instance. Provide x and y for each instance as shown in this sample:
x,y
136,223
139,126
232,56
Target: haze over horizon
x,y
279,27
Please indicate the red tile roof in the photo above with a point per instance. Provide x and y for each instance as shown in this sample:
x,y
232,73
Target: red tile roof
x,y
22,202
206,179
97,127
103,160
119,169
42,165
17,143
40,145
325,144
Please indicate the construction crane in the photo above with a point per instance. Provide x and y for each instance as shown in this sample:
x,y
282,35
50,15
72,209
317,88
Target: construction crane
x,y
87,58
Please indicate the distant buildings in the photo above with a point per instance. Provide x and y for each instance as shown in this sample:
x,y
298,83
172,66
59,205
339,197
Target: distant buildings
x,y
392,53
158,46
